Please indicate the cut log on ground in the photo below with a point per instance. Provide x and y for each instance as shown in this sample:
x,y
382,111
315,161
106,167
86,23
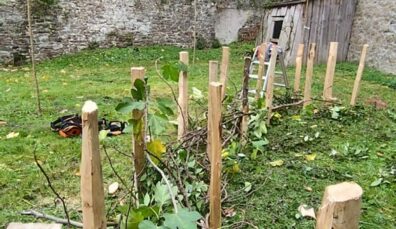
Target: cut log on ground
x,y
340,207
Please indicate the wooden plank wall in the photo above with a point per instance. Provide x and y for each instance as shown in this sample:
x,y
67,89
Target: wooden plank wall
x,y
323,22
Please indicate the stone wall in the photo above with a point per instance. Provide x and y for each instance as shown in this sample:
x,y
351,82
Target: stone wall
x,y
375,24
72,25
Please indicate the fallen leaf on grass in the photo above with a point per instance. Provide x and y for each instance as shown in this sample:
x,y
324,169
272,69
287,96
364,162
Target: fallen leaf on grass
x,y
248,187
229,212
9,89
12,135
3,123
309,189
376,182
277,163
305,211
310,157
113,188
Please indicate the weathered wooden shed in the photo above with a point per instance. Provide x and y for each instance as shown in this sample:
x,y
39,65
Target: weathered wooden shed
x,y
309,21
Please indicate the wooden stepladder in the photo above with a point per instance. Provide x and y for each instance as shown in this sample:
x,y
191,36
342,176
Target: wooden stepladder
x,y
254,74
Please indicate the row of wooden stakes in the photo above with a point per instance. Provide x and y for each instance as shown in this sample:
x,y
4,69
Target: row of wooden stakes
x,y
341,203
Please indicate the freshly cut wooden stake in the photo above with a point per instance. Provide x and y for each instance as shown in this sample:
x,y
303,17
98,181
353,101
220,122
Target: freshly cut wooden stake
x,y
213,71
299,60
215,168
224,70
269,93
213,68
340,207
261,70
309,75
359,74
138,138
182,119
331,65
92,193
245,102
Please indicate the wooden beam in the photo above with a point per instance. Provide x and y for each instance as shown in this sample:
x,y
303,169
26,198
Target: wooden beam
x,y
269,93
299,61
224,70
138,138
331,65
282,4
261,70
309,75
215,136
183,99
340,207
92,192
359,74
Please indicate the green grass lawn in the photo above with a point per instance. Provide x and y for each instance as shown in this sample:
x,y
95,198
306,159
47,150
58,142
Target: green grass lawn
x,y
363,139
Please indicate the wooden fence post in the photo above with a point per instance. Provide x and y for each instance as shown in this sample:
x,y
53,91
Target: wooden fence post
x,y
309,75
331,65
359,74
138,140
224,70
92,193
213,70
245,101
215,137
299,60
269,93
261,70
183,99
340,207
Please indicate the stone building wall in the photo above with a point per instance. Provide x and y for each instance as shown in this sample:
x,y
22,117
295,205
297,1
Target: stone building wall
x,y
375,24
72,25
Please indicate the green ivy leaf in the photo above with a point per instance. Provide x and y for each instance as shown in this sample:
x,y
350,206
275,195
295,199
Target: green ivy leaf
x,y
165,106
138,91
260,144
161,194
128,107
149,225
184,219
170,72
157,123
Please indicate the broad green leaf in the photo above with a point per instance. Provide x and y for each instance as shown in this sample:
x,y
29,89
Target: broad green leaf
x,y
184,219
276,163
165,106
157,123
156,148
138,91
263,128
161,194
377,182
149,225
260,144
127,107
170,72
146,200
134,220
